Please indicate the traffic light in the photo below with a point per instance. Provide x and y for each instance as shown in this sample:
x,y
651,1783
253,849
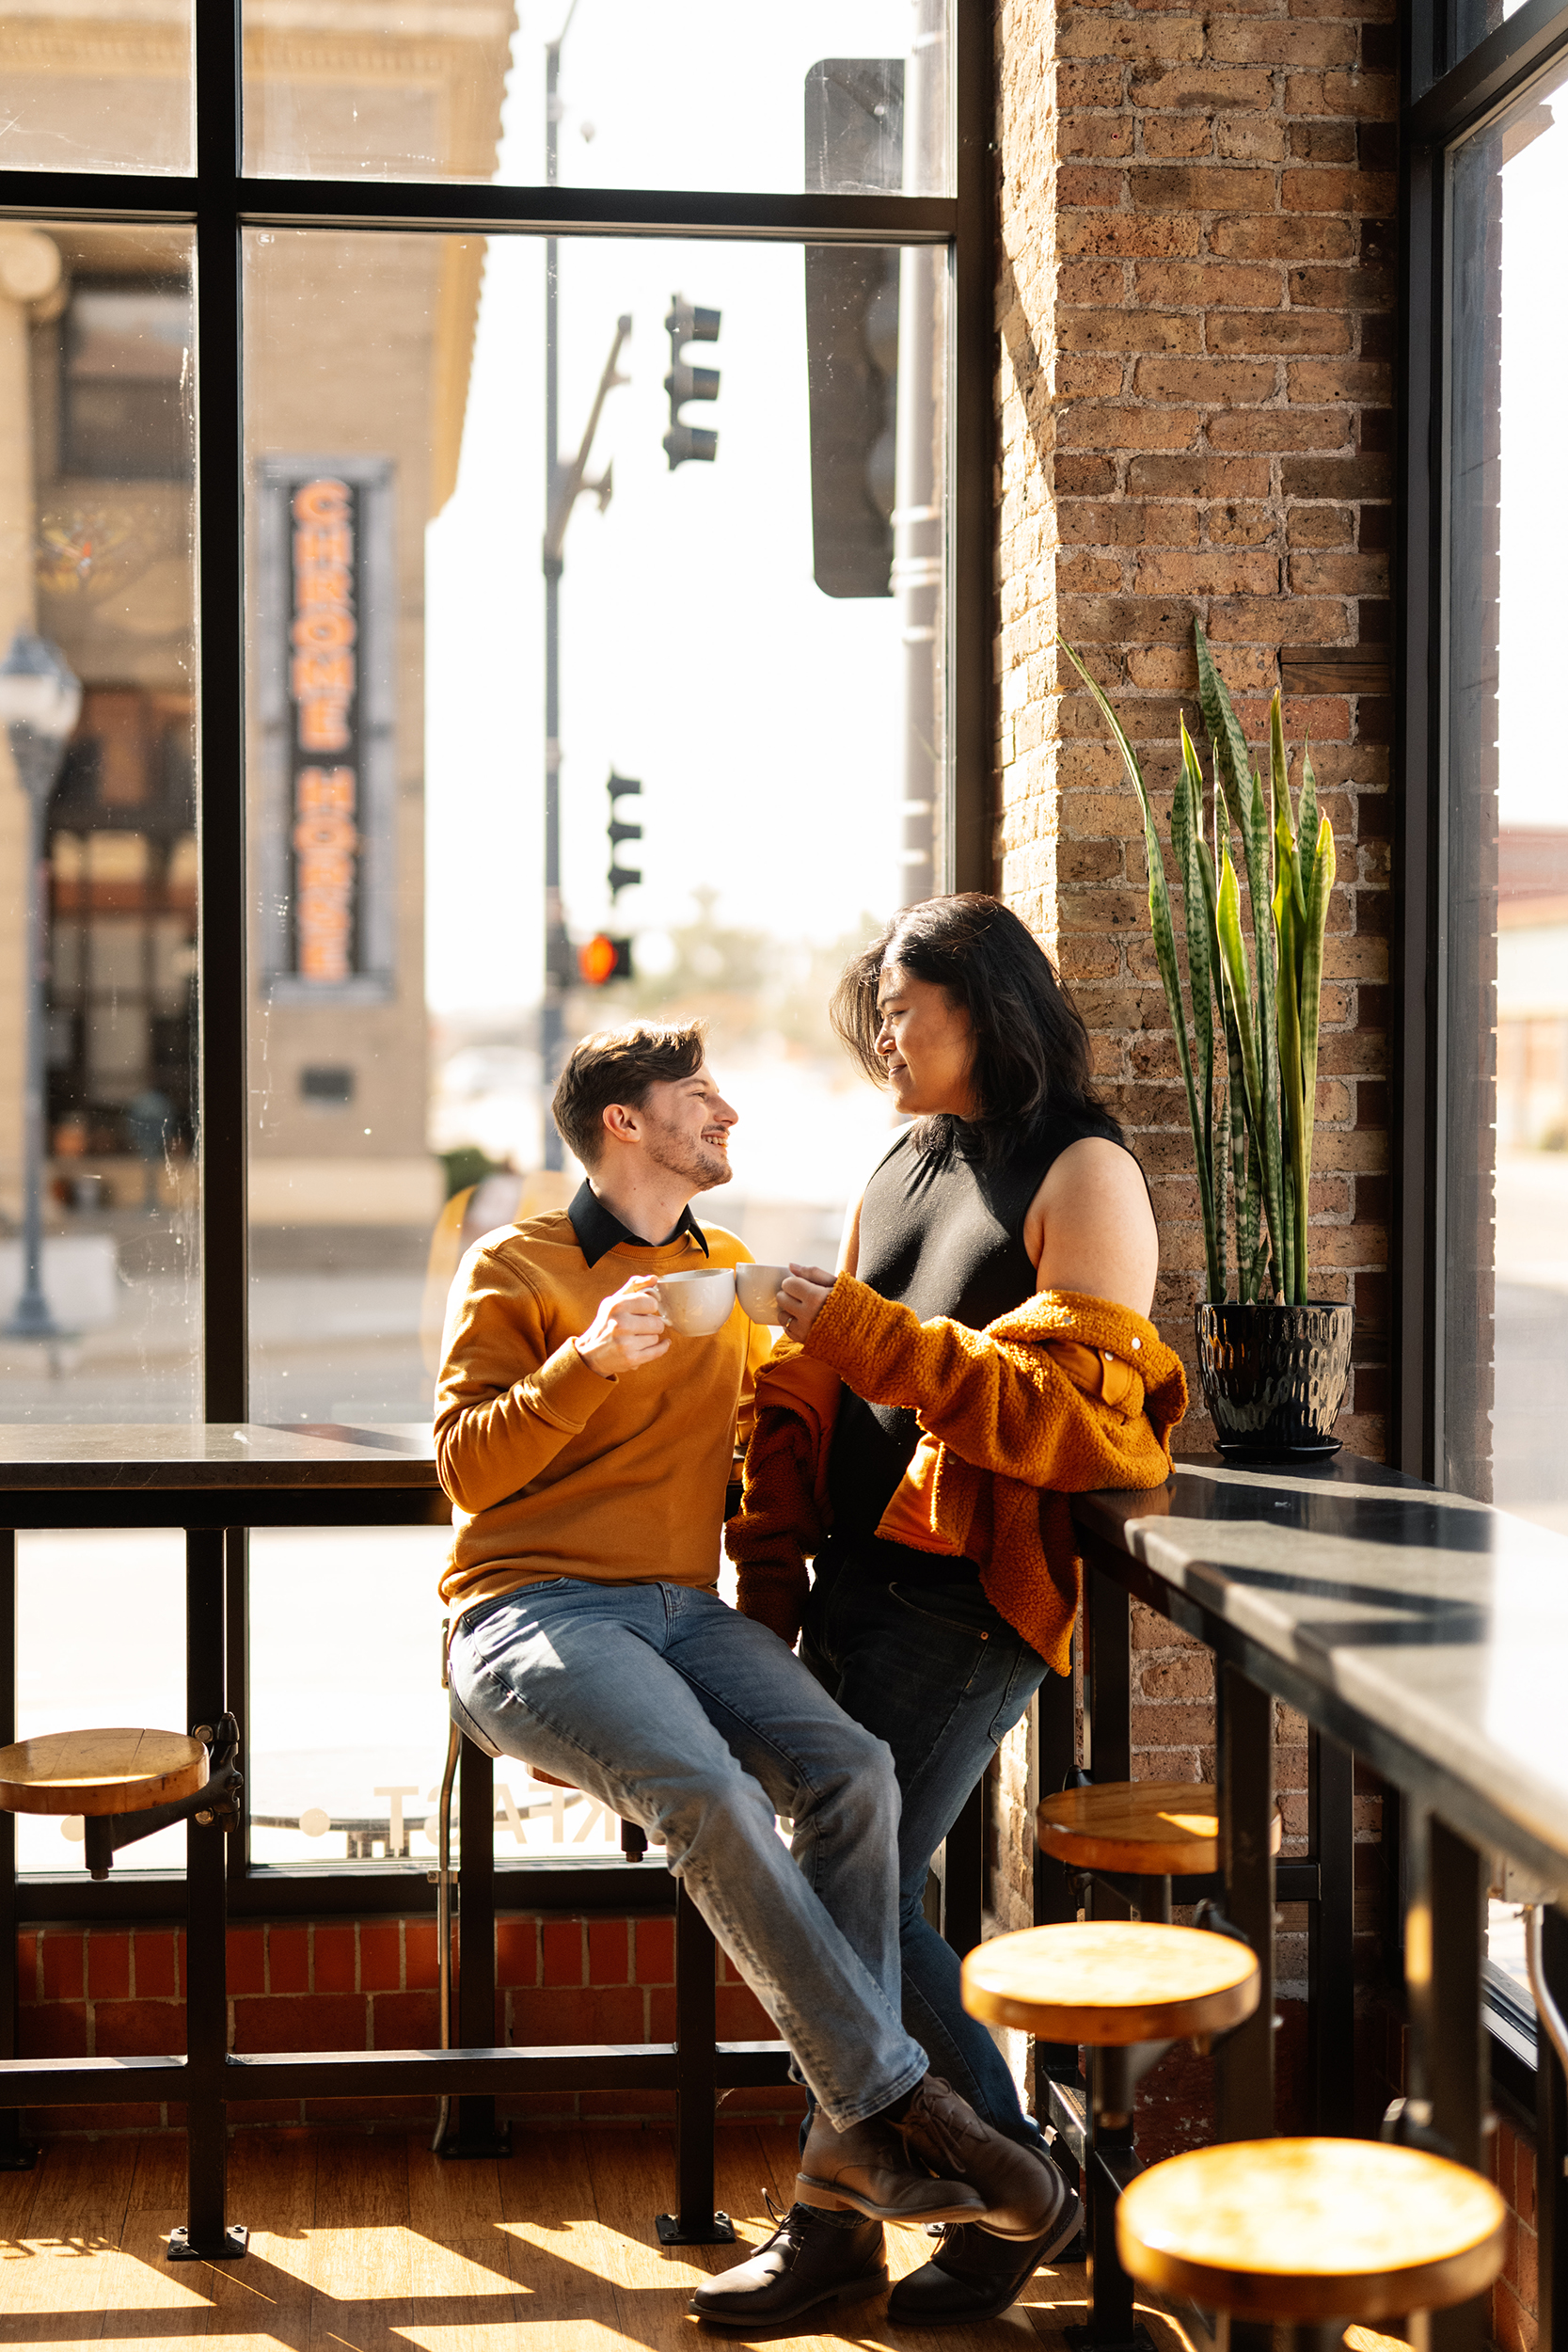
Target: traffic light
x,y
621,876
854,139
685,325
601,959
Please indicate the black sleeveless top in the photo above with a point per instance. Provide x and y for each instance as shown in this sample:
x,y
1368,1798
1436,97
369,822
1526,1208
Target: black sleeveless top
x,y
943,1234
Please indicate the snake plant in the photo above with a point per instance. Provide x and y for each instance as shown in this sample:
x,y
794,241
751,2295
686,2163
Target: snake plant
x,y
1248,1047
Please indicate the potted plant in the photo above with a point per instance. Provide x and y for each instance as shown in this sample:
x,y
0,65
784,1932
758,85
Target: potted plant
x,y
1273,1361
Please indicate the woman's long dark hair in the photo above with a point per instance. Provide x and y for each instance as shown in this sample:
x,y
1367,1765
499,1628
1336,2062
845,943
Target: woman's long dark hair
x,y
1031,1047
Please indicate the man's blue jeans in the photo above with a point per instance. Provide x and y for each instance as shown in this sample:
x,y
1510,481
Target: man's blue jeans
x,y
682,1716
936,1672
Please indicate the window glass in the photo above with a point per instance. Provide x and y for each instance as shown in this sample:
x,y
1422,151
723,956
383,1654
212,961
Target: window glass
x,y
1506,1335
851,96
749,752
99,1622
1472,20
105,87
99,1292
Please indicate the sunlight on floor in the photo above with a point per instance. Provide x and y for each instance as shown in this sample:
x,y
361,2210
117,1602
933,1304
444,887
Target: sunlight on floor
x,y
369,2243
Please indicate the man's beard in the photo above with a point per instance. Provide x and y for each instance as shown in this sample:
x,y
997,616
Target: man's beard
x,y
698,1163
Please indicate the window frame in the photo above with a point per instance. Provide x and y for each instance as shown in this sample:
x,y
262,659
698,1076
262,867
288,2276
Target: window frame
x,y
219,202
1443,102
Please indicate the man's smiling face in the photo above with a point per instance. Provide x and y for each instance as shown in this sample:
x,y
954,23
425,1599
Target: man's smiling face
x,y
685,1127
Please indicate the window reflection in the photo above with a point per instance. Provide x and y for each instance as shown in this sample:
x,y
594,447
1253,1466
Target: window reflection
x,y
106,89
752,654
760,100
97,537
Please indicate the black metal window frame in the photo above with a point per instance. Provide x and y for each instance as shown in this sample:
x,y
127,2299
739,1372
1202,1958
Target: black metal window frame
x,y
219,202
1445,100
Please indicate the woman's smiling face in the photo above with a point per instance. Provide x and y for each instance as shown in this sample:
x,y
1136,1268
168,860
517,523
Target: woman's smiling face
x,y
926,1042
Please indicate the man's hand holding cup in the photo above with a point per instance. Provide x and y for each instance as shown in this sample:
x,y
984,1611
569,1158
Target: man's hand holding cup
x,y
628,1332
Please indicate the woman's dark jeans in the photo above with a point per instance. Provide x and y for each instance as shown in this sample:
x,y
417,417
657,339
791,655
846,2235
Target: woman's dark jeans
x,y
935,1670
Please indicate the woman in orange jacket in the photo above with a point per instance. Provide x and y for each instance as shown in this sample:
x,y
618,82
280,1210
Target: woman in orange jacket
x,y
984,1340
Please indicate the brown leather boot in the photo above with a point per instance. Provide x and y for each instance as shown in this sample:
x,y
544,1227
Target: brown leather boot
x,y
942,2131
868,2168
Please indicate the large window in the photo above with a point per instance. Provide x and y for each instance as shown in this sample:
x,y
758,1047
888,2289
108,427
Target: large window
x,y
496,596
1484,1262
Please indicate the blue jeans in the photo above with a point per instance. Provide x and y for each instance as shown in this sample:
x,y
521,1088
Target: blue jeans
x,y
699,1725
938,1674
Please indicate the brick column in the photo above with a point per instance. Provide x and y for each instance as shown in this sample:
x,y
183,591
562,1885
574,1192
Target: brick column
x,y
1195,285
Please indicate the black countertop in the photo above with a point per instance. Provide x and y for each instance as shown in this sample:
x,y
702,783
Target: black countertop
x,y
1428,1631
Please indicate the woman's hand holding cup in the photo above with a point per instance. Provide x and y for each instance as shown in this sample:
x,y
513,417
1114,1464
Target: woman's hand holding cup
x,y
802,1298
628,1332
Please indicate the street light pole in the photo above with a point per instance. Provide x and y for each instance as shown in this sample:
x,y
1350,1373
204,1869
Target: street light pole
x,y
40,699
563,489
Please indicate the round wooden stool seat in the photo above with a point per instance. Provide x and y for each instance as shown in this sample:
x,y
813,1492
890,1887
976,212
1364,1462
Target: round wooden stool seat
x,y
1112,1982
1152,1828
1312,2229
100,1771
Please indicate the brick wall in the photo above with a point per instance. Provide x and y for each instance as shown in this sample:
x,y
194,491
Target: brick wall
x,y
1194,301
369,1985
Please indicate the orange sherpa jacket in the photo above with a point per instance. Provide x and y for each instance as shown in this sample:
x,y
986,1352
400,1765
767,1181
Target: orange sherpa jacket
x,y
1067,1394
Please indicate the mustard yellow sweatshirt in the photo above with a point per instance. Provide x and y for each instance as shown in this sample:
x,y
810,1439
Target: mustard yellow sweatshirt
x,y
554,1471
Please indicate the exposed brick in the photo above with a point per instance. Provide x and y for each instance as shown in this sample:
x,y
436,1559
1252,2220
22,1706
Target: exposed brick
x,y
1218,188
1277,330
138,2029
302,2021
380,1956
247,1961
608,1951
108,1966
560,2013
563,1954
420,1957
53,2029
655,1950
334,1960
406,2021
155,1964
65,1963
517,1952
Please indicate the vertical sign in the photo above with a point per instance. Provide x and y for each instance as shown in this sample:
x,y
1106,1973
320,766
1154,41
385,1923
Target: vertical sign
x,y
325,766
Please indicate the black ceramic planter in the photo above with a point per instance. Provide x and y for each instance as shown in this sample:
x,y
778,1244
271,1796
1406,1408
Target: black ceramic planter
x,y
1274,1377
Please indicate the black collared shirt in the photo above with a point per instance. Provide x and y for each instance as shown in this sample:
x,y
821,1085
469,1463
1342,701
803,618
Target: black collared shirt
x,y
599,1230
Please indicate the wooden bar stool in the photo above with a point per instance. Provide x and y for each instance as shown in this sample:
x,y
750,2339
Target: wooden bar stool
x,y
124,1782
1140,1829
1321,2233
1128,1989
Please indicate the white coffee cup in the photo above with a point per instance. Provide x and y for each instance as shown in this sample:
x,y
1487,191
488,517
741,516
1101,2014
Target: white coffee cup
x,y
757,1289
696,1305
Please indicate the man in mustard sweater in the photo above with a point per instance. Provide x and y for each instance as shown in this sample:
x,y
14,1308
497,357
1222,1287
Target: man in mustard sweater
x,y
586,1451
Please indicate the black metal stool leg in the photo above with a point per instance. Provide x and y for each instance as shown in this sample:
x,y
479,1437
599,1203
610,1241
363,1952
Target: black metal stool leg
x,y
477,2133
207,2236
695,2222
1110,2163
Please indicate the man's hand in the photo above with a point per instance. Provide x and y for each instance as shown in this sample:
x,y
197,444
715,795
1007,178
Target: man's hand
x,y
801,1298
628,1330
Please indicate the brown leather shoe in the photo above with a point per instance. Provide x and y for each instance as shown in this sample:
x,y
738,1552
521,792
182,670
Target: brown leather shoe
x,y
942,2131
868,2168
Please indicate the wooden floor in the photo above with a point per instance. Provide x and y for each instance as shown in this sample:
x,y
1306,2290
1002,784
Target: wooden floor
x,y
370,2242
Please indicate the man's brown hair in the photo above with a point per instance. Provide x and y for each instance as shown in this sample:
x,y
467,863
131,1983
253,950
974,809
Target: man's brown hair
x,y
619,1066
